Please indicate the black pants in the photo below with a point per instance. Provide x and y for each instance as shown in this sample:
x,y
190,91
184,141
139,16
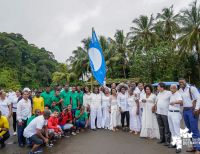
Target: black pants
x,y
14,121
123,116
165,134
5,137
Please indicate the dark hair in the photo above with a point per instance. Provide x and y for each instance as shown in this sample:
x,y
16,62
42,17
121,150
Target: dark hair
x,y
113,89
84,89
181,79
148,86
47,106
95,88
162,85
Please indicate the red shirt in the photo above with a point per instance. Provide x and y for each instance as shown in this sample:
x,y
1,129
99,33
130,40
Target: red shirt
x,y
53,124
65,118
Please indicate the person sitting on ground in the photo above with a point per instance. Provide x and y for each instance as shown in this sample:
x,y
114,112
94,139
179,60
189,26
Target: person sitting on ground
x,y
4,130
53,124
70,119
65,122
47,107
81,117
34,132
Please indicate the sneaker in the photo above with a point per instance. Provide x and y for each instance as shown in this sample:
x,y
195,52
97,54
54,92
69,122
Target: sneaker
x,y
49,145
39,150
73,133
31,152
15,133
77,132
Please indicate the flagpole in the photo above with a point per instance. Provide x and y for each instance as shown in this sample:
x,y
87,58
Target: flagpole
x,y
92,74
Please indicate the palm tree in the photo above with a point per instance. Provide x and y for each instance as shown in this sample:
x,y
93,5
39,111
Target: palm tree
x,y
143,35
190,36
167,20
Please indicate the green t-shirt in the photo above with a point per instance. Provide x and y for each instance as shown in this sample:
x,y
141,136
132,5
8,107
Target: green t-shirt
x,y
66,97
56,99
52,93
74,98
30,119
55,108
83,117
80,97
47,98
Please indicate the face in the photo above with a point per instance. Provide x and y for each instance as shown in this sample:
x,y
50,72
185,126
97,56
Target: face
x,y
37,94
48,89
86,89
113,85
148,90
96,91
73,89
114,92
37,113
3,96
159,88
66,87
78,88
25,95
140,86
130,92
46,108
69,107
57,92
123,90
55,113
106,90
182,83
18,93
46,117
173,89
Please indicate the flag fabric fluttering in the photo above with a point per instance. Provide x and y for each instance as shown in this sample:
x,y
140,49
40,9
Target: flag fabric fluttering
x,y
97,61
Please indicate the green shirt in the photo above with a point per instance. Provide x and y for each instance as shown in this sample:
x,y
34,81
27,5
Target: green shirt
x,y
83,117
74,98
80,97
30,119
66,97
56,99
47,98
52,93
55,108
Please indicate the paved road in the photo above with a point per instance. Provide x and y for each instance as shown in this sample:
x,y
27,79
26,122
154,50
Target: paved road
x,y
99,142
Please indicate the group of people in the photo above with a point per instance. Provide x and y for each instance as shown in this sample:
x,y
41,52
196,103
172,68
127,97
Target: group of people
x,y
45,116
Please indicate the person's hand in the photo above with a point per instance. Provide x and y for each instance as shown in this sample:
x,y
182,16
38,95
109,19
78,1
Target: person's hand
x,y
86,125
137,112
9,116
46,140
20,123
172,103
196,113
120,110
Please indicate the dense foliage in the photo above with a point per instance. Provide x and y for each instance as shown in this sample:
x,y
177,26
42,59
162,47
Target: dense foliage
x,y
23,64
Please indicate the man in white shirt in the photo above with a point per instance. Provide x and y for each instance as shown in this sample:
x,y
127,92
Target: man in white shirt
x,y
24,111
123,106
174,118
162,104
34,131
191,104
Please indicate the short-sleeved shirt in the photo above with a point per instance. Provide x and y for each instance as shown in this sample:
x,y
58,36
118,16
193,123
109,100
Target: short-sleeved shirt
x,y
3,124
175,98
38,103
4,106
74,98
80,97
65,95
55,108
30,119
162,100
52,93
37,123
47,98
83,117
56,99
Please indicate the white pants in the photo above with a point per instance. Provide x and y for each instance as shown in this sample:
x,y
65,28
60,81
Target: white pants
x,y
140,116
174,119
134,119
105,117
96,113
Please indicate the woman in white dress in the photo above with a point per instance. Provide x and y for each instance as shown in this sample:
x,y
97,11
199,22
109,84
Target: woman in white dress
x,y
95,109
149,121
133,104
87,97
105,108
114,110
5,105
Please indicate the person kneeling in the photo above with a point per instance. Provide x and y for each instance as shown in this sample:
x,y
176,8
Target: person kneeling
x,y
81,119
34,132
4,130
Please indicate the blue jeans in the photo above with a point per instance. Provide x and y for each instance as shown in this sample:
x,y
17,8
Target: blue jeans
x,y
191,123
20,131
80,124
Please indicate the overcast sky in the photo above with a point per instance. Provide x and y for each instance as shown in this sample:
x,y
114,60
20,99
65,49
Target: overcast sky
x,y
60,25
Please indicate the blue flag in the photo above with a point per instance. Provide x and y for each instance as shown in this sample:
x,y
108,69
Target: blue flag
x,y
97,61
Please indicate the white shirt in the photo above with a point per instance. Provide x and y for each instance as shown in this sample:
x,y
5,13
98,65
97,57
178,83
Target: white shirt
x,y
37,123
122,101
131,101
105,101
140,95
14,101
187,102
175,98
4,106
87,99
95,101
23,109
162,100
